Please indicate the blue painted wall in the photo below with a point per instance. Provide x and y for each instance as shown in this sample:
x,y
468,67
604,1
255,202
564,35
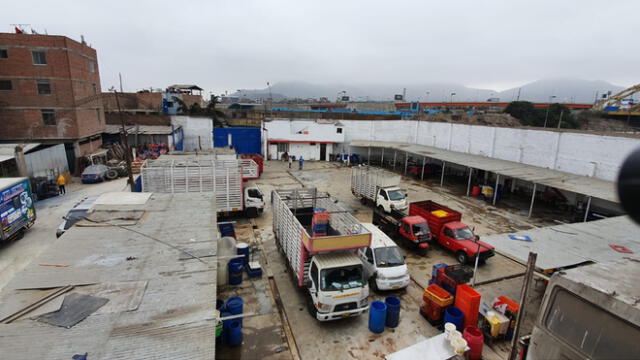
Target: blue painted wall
x,y
246,140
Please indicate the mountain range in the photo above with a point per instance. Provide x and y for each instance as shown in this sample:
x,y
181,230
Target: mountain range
x,y
565,90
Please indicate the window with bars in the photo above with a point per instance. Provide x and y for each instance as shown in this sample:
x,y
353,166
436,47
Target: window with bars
x,y
4,54
39,57
6,85
92,66
49,117
44,86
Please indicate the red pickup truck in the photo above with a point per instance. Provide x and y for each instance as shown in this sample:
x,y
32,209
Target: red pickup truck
x,y
450,232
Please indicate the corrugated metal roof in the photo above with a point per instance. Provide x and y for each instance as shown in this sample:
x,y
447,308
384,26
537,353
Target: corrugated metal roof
x,y
174,318
589,186
572,244
7,151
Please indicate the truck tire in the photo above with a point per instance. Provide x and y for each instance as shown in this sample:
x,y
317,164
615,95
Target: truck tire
x,y
111,174
381,209
363,200
311,308
252,212
462,257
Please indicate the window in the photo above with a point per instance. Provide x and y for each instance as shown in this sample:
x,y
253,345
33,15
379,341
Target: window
x,y
92,66
4,54
44,87
98,116
282,147
6,85
312,144
589,329
384,194
448,233
314,273
407,228
49,117
369,255
339,130
95,89
39,57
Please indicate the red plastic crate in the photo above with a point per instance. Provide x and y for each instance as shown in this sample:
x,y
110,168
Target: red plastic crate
x,y
468,301
512,306
433,311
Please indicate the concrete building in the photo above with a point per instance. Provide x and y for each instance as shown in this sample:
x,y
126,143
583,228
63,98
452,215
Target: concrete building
x,y
311,139
50,92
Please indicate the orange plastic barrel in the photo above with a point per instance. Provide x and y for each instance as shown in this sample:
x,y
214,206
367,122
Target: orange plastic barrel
x,y
475,191
475,341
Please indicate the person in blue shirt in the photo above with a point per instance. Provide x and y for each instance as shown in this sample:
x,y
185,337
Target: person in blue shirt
x,y
301,162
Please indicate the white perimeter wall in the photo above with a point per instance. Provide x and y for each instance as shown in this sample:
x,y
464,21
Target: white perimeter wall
x,y
197,131
306,150
576,153
302,130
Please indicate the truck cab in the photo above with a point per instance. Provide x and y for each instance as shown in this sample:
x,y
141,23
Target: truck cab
x,y
253,201
589,312
391,198
383,263
337,286
459,238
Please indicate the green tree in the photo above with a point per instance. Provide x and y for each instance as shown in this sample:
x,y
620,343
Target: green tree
x,y
525,112
212,111
195,109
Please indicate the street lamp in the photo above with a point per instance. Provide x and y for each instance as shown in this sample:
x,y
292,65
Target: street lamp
x,y
451,97
546,116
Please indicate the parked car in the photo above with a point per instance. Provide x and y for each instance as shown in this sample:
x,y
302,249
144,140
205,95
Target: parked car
x,y
77,213
95,173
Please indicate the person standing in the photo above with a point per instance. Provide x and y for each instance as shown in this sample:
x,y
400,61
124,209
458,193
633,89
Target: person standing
x,y
61,183
290,161
301,162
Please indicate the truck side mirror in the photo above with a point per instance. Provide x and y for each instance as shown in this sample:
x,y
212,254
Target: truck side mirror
x,y
308,284
477,237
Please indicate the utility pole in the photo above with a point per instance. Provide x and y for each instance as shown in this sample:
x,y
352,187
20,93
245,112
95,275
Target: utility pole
x,y
531,266
546,116
125,141
560,121
120,77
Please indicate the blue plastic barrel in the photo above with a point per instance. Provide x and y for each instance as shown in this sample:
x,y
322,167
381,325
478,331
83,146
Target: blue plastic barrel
x,y
235,271
235,333
393,311
225,326
455,316
234,306
243,249
377,316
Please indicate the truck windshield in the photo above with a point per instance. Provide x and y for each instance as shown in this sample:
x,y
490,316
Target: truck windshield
x,y
342,278
396,195
421,229
388,256
464,234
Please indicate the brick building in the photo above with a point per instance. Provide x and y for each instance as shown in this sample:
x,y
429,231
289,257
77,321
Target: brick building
x,y
50,93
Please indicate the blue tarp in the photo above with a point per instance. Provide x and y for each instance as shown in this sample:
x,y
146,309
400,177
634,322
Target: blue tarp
x,y
246,140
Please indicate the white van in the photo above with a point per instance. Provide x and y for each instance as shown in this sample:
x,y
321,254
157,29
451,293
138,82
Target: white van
x,y
383,263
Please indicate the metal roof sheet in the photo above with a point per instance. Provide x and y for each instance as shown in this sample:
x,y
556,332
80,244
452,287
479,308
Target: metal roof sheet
x,y
572,244
336,259
4,182
589,186
174,319
7,151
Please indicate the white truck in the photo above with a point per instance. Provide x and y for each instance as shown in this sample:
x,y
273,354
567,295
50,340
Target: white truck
x,y
326,265
193,173
383,263
379,187
590,312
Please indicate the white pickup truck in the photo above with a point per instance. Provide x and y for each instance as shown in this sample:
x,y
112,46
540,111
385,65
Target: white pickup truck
x,y
379,187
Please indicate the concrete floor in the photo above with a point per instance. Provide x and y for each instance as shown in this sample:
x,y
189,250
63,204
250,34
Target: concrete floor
x,y
16,255
280,320
350,338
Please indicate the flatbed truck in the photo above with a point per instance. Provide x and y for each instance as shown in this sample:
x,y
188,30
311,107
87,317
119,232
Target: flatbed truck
x,y
326,267
379,187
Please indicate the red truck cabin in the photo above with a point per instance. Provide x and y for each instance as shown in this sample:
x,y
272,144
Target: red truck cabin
x,y
414,227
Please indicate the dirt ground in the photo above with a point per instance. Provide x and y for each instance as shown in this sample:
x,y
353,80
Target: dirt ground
x,y
294,334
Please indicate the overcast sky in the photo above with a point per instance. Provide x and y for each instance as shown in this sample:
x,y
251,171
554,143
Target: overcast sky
x,y
229,45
